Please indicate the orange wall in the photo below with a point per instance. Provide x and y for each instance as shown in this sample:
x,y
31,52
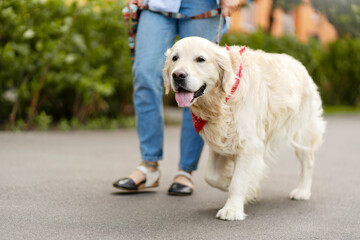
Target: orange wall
x,y
263,9
327,32
307,22
277,29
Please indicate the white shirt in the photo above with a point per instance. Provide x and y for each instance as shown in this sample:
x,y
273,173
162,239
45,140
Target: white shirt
x,y
166,5
163,5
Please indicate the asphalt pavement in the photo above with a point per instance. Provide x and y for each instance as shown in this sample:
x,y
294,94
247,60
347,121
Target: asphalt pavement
x,y
58,185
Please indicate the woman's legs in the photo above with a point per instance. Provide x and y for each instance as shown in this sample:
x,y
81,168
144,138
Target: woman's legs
x,y
155,34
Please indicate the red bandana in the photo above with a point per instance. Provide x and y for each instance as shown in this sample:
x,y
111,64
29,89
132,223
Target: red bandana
x,y
199,122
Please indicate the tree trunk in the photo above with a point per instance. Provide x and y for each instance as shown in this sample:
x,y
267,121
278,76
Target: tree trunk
x,y
35,98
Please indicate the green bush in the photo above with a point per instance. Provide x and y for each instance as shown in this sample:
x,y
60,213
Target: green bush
x,y
340,73
335,68
43,121
70,65
65,61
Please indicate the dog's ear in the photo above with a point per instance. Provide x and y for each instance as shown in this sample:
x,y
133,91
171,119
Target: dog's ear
x,y
166,74
224,68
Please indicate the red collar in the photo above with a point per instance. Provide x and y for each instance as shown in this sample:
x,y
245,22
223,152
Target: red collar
x,y
199,122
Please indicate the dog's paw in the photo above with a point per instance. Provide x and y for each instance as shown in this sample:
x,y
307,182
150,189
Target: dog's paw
x,y
230,214
300,194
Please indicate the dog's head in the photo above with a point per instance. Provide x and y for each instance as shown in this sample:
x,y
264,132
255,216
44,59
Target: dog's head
x,y
195,66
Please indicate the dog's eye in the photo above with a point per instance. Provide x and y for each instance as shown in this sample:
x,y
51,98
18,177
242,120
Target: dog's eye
x,y
175,58
200,59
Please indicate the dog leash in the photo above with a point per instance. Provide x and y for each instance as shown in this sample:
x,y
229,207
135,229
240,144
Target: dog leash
x,y
217,38
131,15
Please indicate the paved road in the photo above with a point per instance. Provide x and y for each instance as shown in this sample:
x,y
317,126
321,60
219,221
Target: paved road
x,y
57,185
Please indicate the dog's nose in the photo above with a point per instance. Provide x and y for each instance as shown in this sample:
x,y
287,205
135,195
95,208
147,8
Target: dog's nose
x,y
179,76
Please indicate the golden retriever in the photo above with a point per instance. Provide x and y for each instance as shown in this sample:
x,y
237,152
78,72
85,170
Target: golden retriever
x,y
243,101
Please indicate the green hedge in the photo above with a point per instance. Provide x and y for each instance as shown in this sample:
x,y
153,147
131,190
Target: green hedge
x,y
335,67
63,61
70,64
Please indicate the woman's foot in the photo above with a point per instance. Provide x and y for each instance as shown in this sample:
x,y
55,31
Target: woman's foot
x,y
138,176
184,180
146,175
182,185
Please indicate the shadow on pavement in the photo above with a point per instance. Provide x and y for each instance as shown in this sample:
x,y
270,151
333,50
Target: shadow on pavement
x,y
132,193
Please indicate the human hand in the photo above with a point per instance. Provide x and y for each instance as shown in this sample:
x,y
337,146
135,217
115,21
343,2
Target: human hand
x,y
228,7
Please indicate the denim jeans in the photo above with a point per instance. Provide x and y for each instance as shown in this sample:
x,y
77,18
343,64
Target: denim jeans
x,y
155,35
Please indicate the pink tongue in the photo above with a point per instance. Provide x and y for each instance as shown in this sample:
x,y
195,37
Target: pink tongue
x,y
183,99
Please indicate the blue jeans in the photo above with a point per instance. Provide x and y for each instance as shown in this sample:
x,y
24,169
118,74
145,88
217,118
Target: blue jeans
x,y
155,35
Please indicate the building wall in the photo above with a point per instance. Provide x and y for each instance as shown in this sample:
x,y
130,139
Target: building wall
x,y
263,8
303,21
327,32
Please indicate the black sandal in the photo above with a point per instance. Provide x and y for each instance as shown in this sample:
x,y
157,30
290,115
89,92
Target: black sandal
x,y
151,181
178,189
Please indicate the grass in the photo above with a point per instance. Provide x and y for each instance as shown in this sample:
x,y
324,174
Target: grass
x,y
341,109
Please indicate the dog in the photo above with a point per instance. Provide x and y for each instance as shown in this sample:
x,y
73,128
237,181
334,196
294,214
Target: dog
x,y
243,102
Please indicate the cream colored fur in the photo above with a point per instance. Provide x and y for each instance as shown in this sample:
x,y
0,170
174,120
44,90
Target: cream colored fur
x,y
276,99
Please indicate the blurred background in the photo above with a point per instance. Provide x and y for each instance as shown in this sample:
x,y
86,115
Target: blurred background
x,y
66,64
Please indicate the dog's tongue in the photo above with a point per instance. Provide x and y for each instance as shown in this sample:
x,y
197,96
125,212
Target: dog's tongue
x,y
183,99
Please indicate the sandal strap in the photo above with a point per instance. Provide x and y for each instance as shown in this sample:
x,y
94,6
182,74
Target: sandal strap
x,y
185,174
151,177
